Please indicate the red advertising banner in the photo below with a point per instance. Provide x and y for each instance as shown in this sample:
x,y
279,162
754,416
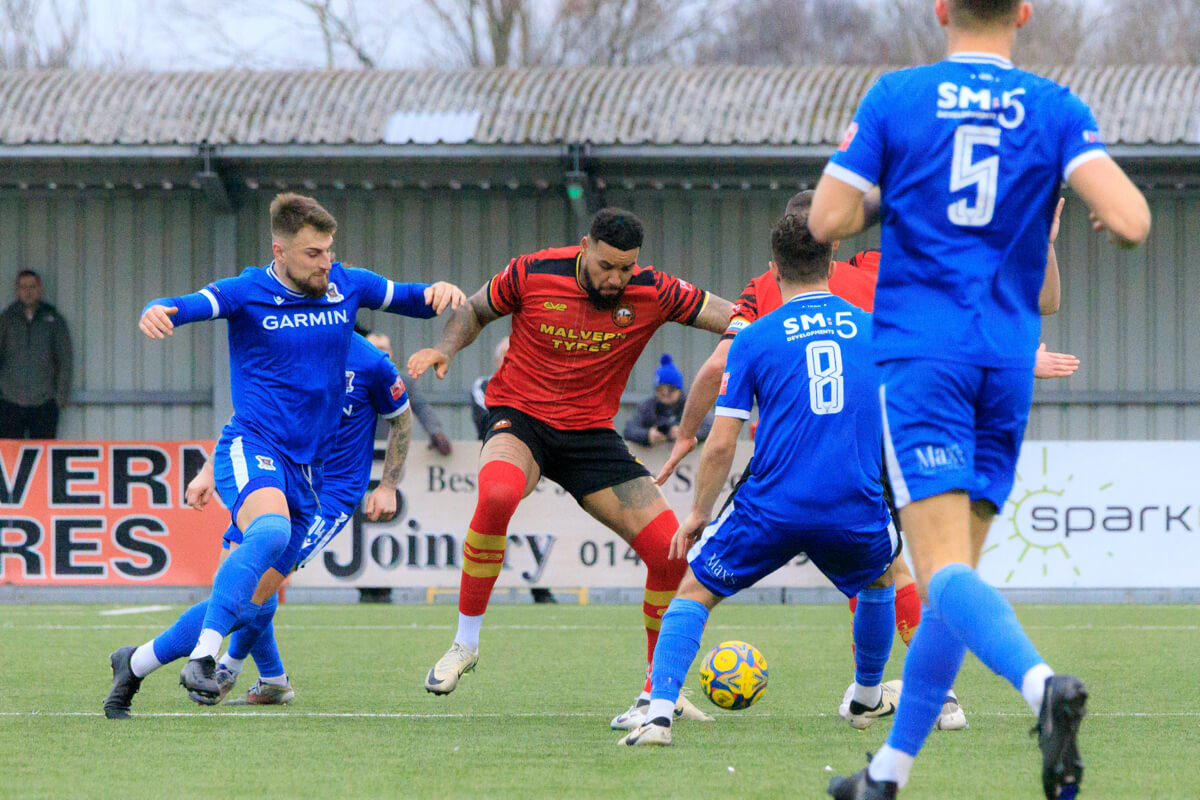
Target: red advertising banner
x,y
105,513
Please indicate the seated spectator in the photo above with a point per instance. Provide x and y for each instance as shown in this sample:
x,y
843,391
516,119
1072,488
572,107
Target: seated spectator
x,y
656,420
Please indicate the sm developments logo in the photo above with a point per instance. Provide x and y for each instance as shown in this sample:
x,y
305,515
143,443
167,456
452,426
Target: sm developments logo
x,y
1082,520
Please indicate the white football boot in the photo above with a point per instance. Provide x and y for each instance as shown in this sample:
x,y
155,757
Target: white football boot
x,y
648,735
635,716
860,717
952,717
458,661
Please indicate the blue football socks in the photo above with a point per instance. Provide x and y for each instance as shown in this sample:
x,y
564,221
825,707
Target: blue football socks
x,y
257,640
678,642
934,657
263,542
984,621
177,641
874,626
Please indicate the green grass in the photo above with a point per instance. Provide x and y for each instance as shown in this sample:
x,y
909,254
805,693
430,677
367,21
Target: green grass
x,y
532,721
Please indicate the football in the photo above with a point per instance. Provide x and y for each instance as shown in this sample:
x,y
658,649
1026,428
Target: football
x,y
734,675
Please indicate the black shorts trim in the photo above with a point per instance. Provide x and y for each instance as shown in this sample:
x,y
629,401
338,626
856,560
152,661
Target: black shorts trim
x,y
581,462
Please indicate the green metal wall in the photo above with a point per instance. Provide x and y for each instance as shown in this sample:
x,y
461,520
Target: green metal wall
x,y
104,252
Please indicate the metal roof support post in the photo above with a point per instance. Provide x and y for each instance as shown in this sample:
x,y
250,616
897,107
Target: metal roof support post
x,y
224,242
211,183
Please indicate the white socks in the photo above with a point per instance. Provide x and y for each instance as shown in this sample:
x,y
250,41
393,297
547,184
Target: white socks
x,y
275,680
232,664
660,708
468,631
143,661
1033,686
891,765
209,644
869,696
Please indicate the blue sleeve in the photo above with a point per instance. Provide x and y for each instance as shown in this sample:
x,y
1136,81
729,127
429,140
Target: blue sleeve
x,y
386,390
397,298
1080,134
858,160
218,300
737,384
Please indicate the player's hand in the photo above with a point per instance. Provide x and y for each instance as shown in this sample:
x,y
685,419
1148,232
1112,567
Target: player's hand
x,y
381,504
156,322
439,442
687,535
1057,213
682,447
1054,365
654,436
200,489
422,360
673,434
442,295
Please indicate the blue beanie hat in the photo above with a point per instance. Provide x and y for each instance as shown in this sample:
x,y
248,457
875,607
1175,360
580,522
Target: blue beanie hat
x,y
668,373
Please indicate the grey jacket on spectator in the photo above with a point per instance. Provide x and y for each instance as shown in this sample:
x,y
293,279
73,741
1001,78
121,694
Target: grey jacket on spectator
x,y
35,356
652,414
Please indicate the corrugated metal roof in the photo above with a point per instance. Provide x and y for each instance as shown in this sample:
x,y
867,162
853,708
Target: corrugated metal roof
x,y
1139,105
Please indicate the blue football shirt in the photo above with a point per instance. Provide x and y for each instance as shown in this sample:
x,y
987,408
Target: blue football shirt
x,y
287,351
372,389
817,457
968,154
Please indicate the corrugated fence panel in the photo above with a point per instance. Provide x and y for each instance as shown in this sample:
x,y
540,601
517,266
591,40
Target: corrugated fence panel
x,y
102,256
1129,317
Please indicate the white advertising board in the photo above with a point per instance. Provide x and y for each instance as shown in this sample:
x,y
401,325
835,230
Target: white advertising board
x,y
1082,514
1099,515
552,542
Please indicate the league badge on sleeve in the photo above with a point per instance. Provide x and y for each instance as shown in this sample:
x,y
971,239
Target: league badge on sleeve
x,y
397,390
848,137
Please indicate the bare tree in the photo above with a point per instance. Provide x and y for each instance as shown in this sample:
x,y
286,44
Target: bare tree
x,y
481,33
792,32
1151,32
42,34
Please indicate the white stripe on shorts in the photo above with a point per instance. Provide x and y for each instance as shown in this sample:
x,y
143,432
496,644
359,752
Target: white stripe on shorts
x,y
709,532
327,536
899,487
241,475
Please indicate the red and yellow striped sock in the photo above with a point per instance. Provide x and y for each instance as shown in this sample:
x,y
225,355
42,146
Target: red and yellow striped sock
x,y
501,485
662,574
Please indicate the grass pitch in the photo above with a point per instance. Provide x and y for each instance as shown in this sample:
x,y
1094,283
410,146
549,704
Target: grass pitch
x,y
532,721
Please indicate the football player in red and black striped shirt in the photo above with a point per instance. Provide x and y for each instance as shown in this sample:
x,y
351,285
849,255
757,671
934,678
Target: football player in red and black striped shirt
x,y
580,318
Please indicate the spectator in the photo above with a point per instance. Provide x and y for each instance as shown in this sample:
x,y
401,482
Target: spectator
x,y
421,410
656,420
35,364
479,388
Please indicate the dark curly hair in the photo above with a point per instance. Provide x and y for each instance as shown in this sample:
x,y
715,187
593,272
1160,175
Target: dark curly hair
x,y
617,227
800,257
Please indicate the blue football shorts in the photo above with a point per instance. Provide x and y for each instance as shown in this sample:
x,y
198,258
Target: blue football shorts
x,y
950,426
244,462
736,551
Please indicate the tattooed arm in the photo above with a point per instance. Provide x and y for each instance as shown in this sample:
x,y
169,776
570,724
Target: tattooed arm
x,y
381,503
461,329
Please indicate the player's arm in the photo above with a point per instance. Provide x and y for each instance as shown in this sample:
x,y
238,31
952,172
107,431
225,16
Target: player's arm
x,y
1116,205
715,463
713,315
462,328
1050,298
381,503
840,209
703,394
161,316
